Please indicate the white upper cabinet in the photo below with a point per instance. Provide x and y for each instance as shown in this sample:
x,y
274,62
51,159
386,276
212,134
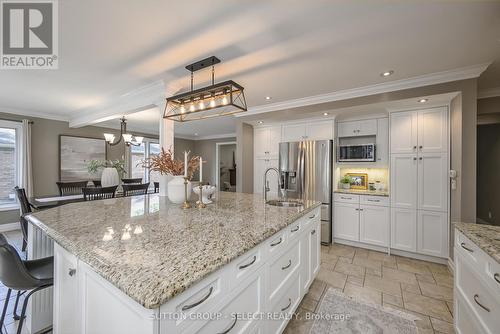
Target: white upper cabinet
x,y
433,130
404,132
266,142
432,181
366,127
382,148
308,131
404,181
294,132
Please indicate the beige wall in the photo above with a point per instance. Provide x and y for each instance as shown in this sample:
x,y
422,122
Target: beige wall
x,y
244,158
206,149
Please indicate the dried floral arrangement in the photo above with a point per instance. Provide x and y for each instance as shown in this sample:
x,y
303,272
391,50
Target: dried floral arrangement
x,y
164,163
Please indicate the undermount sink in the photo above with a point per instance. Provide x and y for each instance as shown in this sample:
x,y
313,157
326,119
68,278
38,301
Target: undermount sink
x,y
276,202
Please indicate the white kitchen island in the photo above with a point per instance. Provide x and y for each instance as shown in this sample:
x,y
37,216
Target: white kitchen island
x,y
143,265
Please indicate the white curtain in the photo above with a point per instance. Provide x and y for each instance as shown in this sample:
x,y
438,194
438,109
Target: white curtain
x,y
26,170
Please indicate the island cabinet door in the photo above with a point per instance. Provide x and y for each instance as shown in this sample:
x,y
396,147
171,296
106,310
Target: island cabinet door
x,y
315,249
66,315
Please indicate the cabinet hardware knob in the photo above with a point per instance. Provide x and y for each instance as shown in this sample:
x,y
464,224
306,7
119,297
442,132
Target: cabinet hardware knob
x,y
248,264
476,299
414,147
497,277
420,158
313,232
230,327
360,209
295,229
420,147
466,248
190,306
414,158
288,306
71,271
277,242
287,266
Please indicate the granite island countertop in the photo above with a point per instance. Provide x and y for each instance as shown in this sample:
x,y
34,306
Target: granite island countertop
x,y
486,237
153,250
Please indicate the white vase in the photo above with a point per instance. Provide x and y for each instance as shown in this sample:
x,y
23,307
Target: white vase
x,y
109,177
345,186
175,190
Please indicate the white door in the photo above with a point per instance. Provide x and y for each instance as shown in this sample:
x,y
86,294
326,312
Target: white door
x,y
305,259
294,132
374,225
66,301
261,142
347,129
382,148
433,130
346,221
274,141
258,175
403,132
403,229
319,130
367,127
404,181
432,233
315,249
433,182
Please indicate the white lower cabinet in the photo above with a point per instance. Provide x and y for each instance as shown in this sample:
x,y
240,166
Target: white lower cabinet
x,y
374,225
272,277
346,221
432,233
403,229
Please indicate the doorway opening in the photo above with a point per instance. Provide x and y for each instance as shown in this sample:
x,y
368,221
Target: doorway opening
x,y
226,166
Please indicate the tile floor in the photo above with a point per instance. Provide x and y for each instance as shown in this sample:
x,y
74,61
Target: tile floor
x,y
417,287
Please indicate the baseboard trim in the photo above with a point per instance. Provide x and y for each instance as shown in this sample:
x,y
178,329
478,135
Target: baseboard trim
x,y
9,227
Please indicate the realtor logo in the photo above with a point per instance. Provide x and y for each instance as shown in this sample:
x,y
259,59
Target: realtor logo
x,y
29,34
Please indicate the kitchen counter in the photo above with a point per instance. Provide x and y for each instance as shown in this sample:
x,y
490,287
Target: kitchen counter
x,y
362,192
153,250
486,237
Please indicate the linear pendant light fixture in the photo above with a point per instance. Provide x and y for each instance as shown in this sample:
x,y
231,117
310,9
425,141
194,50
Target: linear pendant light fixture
x,y
218,99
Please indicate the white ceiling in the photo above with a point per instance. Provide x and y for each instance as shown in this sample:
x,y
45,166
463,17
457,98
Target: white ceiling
x,y
283,49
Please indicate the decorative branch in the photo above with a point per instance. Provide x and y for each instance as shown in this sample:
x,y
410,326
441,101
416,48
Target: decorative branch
x,y
165,164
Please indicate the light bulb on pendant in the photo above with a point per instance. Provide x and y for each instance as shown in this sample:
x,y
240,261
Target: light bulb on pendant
x,y
201,105
224,100
183,109
191,107
212,102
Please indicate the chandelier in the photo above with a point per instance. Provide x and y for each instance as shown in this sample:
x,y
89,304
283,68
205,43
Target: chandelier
x,y
218,99
127,137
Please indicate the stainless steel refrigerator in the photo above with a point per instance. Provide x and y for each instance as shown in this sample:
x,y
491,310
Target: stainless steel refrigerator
x,y
306,173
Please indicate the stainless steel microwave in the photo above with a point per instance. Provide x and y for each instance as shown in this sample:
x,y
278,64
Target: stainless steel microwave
x,y
356,153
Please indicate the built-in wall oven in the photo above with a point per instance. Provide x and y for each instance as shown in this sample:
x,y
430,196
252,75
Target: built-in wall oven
x,y
357,152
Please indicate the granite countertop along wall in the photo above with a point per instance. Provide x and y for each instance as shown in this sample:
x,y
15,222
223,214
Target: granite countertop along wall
x,y
156,250
486,237
362,192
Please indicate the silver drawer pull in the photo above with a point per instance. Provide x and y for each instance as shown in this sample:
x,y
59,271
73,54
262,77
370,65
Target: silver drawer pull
x,y
277,242
295,229
187,307
248,264
287,266
342,197
230,327
288,306
312,217
373,200
497,277
313,232
476,299
71,271
466,248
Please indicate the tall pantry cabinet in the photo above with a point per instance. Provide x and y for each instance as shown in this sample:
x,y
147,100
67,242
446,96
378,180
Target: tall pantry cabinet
x,y
419,181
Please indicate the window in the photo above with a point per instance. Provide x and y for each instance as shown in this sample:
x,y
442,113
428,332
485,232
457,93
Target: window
x,y
10,163
148,148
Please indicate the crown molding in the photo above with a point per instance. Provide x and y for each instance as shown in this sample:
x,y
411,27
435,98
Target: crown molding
x,y
463,73
218,136
142,98
490,92
34,113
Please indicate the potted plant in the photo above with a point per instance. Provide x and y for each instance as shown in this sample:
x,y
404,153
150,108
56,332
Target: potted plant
x,y
112,171
345,182
166,164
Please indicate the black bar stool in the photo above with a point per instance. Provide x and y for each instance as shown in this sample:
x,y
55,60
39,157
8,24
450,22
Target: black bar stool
x,y
29,276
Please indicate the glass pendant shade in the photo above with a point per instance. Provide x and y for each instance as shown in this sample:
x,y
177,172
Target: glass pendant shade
x,y
139,140
127,137
109,137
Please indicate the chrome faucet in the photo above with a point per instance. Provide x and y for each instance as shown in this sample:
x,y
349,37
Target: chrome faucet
x,y
266,183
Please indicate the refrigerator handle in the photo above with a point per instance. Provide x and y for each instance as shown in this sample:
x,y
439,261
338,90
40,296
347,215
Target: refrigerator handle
x,y
302,170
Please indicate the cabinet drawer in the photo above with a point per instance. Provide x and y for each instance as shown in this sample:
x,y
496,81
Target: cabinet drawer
x,y
469,250
346,198
245,265
482,300
286,302
312,216
274,244
282,268
465,320
374,200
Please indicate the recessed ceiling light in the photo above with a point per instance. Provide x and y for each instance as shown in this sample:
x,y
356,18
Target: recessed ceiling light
x,y
260,122
387,73
196,133
268,97
423,100
325,114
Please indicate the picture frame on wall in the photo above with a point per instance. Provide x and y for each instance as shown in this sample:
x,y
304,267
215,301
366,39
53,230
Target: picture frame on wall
x,y
358,180
75,152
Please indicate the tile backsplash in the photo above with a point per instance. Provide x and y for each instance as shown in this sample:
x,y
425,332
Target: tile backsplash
x,y
374,175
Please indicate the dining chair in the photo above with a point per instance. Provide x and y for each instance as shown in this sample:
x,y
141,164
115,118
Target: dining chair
x,y
71,188
132,181
95,193
23,276
135,189
157,186
26,208
97,183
